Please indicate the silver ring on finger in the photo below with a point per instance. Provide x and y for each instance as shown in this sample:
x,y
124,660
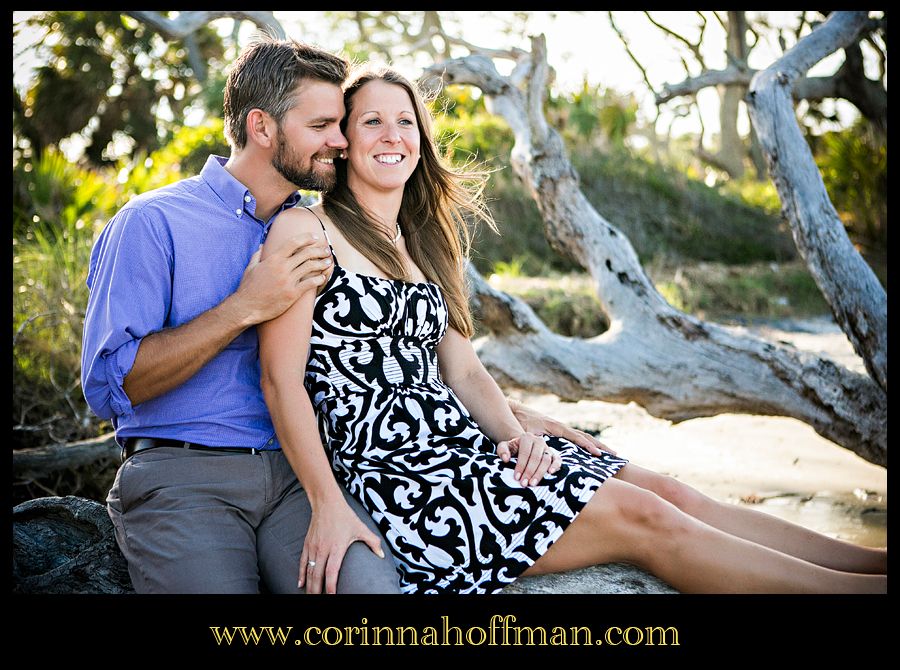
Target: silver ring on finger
x,y
311,564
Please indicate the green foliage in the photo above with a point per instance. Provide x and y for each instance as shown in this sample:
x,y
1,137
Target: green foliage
x,y
853,163
59,206
464,126
592,112
566,303
184,156
512,268
757,290
52,196
190,147
761,195
108,77
663,212
673,294
521,239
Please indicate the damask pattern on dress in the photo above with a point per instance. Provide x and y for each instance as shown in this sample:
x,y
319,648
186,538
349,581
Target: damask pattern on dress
x,y
403,444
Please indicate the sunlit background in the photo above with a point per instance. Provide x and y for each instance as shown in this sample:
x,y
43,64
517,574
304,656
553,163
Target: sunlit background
x,y
105,108
582,47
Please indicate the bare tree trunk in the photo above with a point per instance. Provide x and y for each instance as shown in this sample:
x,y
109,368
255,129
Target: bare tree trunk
x,y
856,297
673,364
731,147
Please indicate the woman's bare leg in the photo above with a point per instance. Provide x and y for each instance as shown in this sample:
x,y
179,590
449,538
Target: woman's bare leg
x,y
760,527
625,523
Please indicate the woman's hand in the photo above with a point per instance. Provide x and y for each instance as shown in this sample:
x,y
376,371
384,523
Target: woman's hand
x,y
535,458
540,424
331,532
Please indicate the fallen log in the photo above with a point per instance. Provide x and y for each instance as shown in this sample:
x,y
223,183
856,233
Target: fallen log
x,y
44,461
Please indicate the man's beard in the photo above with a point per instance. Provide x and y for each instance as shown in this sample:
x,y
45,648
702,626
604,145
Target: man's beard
x,y
290,167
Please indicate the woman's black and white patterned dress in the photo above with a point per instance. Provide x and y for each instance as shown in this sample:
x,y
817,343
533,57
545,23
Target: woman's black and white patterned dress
x,y
402,443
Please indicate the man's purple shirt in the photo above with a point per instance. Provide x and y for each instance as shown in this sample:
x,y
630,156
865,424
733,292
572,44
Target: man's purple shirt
x,y
165,258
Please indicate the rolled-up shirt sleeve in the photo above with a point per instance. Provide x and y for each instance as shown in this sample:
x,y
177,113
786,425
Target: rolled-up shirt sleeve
x,y
130,283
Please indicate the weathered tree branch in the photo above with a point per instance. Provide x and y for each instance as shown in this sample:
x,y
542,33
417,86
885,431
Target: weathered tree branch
x,y
856,297
849,83
694,47
187,23
634,59
671,363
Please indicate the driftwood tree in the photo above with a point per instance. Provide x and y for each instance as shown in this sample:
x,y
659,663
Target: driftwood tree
x,y
730,154
849,82
856,297
673,364
186,24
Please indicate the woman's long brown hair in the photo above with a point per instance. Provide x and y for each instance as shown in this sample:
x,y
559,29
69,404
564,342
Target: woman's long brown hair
x,y
432,214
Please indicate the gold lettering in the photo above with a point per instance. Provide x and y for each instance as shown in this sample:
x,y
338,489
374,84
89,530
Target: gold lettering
x,y
227,634
348,632
609,639
483,635
650,630
587,635
390,634
559,636
531,631
279,636
306,633
640,636
448,628
325,636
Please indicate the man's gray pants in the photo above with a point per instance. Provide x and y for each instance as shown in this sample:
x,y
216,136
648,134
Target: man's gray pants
x,y
202,522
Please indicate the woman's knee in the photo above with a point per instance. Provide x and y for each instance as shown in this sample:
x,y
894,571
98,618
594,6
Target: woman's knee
x,y
684,497
649,523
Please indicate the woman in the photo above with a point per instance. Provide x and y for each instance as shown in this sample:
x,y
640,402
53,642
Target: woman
x,y
417,430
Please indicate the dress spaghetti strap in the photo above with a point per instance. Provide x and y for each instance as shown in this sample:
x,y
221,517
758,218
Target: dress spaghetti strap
x,y
327,239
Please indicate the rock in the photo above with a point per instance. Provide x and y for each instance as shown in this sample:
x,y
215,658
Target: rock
x,y
67,545
610,578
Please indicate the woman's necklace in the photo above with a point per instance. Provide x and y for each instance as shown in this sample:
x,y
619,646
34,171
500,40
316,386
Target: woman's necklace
x,y
397,236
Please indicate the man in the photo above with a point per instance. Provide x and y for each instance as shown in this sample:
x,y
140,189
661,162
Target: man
x,y
205,501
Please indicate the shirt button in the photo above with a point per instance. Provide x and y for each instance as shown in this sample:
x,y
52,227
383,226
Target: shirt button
x,y
247,198
238,211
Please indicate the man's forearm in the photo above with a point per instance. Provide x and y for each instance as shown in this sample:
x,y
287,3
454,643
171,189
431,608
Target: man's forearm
x,y
168,358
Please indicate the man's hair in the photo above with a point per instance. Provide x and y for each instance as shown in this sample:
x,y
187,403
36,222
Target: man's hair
x,y
265,76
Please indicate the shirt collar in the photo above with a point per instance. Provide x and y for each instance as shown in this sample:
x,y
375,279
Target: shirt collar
x,y
233,193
